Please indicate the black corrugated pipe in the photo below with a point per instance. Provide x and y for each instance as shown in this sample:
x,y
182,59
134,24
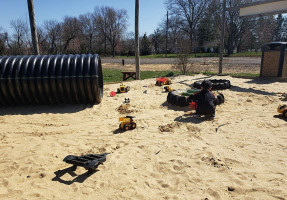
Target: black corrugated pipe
x,y
50,79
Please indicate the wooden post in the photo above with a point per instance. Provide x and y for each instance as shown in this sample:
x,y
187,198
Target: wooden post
x,y
33,27
137,39
166,33
222,36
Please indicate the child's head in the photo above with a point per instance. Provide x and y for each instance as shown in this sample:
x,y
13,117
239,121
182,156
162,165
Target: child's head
x,y
206,84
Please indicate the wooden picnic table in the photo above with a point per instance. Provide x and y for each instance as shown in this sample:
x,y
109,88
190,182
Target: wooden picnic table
x,y
127,75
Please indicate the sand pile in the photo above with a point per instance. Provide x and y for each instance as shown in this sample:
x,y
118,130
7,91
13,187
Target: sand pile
x,y
241,154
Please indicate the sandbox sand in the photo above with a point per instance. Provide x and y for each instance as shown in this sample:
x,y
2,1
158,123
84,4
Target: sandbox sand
x,y
170,155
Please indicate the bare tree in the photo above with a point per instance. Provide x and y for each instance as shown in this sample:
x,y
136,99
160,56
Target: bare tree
x,y
53,32
88,28
42,41
111,25
129,43
235,26
20,41
157,41
182,62
264,29
3,41
190,12
70,31
174,33
100,18
116,27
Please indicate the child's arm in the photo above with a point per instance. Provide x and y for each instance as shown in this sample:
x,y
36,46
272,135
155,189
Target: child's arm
x,y
215,100
190,98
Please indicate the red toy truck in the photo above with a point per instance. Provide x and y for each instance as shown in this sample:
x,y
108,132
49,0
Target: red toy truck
x,y
163,81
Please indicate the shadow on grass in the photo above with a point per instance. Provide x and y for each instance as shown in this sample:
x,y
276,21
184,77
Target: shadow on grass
x,y
78,178
39,109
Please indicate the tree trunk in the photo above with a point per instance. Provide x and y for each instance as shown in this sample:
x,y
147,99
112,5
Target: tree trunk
x,y
90,43
191,43
230,45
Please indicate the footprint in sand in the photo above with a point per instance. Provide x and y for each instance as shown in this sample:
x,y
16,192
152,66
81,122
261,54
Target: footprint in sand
x,y
162,184
178,168
87,190
213,193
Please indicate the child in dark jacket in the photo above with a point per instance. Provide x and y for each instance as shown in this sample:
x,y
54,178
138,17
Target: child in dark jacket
x,y
205,101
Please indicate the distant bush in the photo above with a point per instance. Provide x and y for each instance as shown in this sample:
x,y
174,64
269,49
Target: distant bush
x,y
170,74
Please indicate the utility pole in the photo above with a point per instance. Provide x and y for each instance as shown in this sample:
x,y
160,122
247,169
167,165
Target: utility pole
x,y
137,40
33,27
166,34
222,36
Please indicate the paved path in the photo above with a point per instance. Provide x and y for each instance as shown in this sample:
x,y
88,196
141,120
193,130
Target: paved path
x,y
231,60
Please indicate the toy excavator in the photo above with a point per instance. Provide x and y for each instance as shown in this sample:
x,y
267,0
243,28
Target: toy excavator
x,y
123,88
127,123
283,110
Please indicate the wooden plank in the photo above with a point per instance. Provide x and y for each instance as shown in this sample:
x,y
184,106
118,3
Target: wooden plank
x,y
284,71
263,7
270,63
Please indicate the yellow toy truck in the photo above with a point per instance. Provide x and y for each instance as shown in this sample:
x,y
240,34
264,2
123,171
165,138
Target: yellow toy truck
x,y
123,88
168,88
127,123
283,110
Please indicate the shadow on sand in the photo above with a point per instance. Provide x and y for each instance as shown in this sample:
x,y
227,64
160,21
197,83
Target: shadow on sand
x,y
78,178
189,118
175,108
280,116
39,109
266,80
251,90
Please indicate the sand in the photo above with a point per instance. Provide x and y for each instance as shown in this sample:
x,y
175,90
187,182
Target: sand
x,y
241,154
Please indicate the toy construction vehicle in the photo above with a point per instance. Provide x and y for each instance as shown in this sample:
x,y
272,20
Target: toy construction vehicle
x,y
127,123
283,110
163,81
168,88
123,88
127,100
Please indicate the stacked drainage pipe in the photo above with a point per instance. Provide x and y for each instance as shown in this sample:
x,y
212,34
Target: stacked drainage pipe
x,y
50,79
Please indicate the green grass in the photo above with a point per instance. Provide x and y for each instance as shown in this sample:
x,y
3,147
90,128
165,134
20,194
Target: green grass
x,y
114,75
247,54
250,75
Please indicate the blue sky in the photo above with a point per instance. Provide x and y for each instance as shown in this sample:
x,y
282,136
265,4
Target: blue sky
x,y
151,11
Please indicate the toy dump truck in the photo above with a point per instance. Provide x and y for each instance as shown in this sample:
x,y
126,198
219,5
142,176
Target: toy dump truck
x,y
283,110
127,123
168,88
163,81
123,88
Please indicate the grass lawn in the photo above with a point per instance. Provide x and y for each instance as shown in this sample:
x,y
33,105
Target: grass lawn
x,y
114,75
